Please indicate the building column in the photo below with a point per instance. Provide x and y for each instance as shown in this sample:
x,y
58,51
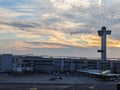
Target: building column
x,y
72,66
62,65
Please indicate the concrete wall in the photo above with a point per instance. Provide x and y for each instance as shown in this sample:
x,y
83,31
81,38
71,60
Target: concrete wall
x,y
0,63
6,62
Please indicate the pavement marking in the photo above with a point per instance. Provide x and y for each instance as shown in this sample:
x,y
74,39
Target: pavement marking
x,y
33,88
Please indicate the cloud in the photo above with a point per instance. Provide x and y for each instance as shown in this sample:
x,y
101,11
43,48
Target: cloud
x,y
83,41
33,45
95,41
58,23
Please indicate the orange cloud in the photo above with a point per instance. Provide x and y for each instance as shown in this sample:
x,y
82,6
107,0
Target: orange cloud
x,y
113,43
27,35
91,40
81,40
55,36
95,41
26,45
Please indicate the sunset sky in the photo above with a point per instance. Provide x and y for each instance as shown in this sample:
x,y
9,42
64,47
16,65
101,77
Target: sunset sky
x,y
59,27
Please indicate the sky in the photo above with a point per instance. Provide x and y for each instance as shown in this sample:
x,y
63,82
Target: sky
x,y
59,27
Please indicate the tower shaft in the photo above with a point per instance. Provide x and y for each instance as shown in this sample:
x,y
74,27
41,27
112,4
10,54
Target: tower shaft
x,y
103,34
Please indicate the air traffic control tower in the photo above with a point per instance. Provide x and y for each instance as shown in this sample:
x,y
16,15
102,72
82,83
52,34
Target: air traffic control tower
x,y
102,33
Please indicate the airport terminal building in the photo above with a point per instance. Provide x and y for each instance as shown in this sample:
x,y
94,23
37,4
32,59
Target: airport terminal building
x,y
24,63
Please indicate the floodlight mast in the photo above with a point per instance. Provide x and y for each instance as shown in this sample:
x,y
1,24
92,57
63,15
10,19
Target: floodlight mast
x,y
103,34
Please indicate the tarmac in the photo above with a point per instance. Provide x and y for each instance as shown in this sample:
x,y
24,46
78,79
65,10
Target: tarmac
x,y
29,86
52,82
